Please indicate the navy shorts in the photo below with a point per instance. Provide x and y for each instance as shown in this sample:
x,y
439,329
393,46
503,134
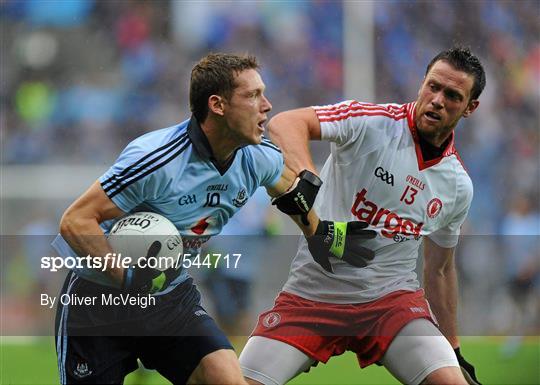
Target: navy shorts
x,y
100,344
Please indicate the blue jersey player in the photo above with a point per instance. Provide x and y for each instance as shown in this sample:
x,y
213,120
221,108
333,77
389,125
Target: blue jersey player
x,y
197,174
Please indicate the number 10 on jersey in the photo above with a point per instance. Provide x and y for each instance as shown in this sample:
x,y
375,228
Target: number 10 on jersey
x,y
212,200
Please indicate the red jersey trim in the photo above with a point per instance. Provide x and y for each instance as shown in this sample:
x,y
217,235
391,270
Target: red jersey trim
x,y
396,112
356,114
355,109
461,161
450,148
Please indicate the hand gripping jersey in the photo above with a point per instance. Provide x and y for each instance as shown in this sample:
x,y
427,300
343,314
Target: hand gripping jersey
x,y
172,172
375,173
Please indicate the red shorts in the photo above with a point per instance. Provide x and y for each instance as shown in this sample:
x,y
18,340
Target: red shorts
x,y
322,330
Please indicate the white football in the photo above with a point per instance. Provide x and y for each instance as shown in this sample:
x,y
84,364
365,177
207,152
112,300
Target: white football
x,y
144,234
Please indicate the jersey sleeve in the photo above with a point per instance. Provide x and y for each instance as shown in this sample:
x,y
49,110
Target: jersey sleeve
x,y
448,236
342,122
132,178
268,163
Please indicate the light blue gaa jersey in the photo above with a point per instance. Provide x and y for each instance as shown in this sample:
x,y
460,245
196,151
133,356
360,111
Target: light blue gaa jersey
x,y
173,172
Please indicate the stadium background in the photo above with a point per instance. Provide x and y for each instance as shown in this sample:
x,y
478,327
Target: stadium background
x,y
80,79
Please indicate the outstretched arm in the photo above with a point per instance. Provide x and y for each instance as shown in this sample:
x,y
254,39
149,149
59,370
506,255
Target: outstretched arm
x,y
291,131
326,239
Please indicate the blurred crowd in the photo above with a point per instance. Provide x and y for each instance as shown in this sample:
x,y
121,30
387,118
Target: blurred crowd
x,y
81,78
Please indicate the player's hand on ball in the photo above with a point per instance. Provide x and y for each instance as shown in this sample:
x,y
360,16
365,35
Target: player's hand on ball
x,y
147,280
467,369
341,240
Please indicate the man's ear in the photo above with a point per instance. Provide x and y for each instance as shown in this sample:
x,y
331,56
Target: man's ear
x,y
216,105
473,105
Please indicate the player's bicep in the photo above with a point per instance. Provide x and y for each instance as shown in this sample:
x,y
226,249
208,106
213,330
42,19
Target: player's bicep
x,y
303,120
310,119
94,204
344,122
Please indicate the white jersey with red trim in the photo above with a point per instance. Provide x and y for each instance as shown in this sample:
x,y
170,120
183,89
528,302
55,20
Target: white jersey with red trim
x,y
376,173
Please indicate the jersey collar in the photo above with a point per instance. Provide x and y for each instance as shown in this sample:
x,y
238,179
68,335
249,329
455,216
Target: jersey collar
x,y
202,146
449,150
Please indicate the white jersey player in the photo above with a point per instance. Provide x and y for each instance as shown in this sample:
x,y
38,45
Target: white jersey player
x,y
394,167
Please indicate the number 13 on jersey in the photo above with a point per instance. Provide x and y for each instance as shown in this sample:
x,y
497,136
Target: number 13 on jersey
x,y
408,195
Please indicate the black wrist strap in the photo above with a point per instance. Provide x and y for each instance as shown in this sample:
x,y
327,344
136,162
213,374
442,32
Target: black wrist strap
x,y
311,178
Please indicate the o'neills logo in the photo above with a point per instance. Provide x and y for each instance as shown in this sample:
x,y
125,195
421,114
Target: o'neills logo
x,y
135,221
393,224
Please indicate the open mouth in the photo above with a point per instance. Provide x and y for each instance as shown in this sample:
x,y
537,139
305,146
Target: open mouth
x,y
260,124
432,116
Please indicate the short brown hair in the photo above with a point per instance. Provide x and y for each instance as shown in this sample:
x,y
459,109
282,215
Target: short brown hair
x,y
462,59
214,75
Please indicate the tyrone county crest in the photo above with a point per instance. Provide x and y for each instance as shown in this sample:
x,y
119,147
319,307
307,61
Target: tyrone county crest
x,y
271,320
434,207
241,198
